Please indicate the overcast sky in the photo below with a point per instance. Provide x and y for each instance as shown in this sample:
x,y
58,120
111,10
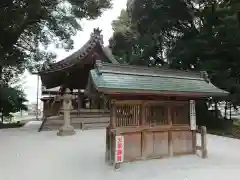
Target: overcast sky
x,y
104,23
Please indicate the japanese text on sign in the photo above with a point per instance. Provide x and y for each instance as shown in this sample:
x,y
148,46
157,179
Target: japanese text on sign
x,y
119,149
192,115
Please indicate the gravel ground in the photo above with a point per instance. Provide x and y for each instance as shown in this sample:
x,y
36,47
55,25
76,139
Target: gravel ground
x,y
26,154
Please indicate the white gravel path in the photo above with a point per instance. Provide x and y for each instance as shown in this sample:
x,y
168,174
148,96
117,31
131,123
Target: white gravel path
x,y
26,154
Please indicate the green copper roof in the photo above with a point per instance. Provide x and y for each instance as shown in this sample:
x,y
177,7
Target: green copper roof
x,y
126,78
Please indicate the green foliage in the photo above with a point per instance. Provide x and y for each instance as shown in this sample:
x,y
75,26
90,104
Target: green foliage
x,y
27,25
129,46
12,100
27,28
183,35
214,47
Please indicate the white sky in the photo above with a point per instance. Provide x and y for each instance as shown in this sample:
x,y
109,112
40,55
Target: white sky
x,y
104,23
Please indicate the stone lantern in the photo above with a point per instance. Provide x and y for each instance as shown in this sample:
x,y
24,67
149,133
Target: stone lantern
x,y
67,129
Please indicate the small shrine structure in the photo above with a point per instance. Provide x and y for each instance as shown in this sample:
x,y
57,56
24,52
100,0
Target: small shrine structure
x,y
152,111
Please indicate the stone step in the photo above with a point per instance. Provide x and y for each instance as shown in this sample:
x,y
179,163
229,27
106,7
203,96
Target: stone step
x,y
78,120
54,123
94,126
81,116
51,127
87,111
77,126
89,115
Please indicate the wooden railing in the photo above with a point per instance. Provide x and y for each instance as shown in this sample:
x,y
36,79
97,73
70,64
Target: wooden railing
x,y
127,115
203,143
137,113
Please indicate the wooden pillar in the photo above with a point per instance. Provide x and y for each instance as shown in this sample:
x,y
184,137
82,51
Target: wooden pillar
x,y
94,103
204,141
194,141
143,122
102,103
107,146
113,114
105,103
111,149
79,101
170,142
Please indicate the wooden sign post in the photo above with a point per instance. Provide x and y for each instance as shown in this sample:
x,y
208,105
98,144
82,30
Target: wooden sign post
x,y
192,115
119,151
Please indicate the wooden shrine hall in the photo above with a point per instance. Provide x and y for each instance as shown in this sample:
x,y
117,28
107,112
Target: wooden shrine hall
x,y
152,110
72,73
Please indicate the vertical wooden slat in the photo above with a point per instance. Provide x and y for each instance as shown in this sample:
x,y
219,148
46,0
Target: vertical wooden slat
x,y
127,115
156,115
139,116
120,109
114,114
170,142
143,115
123,120
122,114
119,114
135,116
131,120
147,115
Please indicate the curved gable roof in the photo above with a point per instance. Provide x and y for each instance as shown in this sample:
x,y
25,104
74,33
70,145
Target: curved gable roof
x,y
95,39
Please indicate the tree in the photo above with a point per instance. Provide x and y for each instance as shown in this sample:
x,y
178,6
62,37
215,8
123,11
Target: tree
x,y
12,100
27,24
27,27
156,25
186,35
129,46
214,48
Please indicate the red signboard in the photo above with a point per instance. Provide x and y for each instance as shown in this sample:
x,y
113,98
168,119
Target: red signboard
x,y
119,153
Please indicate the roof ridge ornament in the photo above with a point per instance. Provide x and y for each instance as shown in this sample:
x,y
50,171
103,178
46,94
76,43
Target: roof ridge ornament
x,y
96,32
205,76
96,35
98,66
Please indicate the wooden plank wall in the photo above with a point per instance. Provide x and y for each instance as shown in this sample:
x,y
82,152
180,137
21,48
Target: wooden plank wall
x,y
152,129
155,144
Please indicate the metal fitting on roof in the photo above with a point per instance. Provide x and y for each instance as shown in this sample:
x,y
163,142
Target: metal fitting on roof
x,y
98,66
204,75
